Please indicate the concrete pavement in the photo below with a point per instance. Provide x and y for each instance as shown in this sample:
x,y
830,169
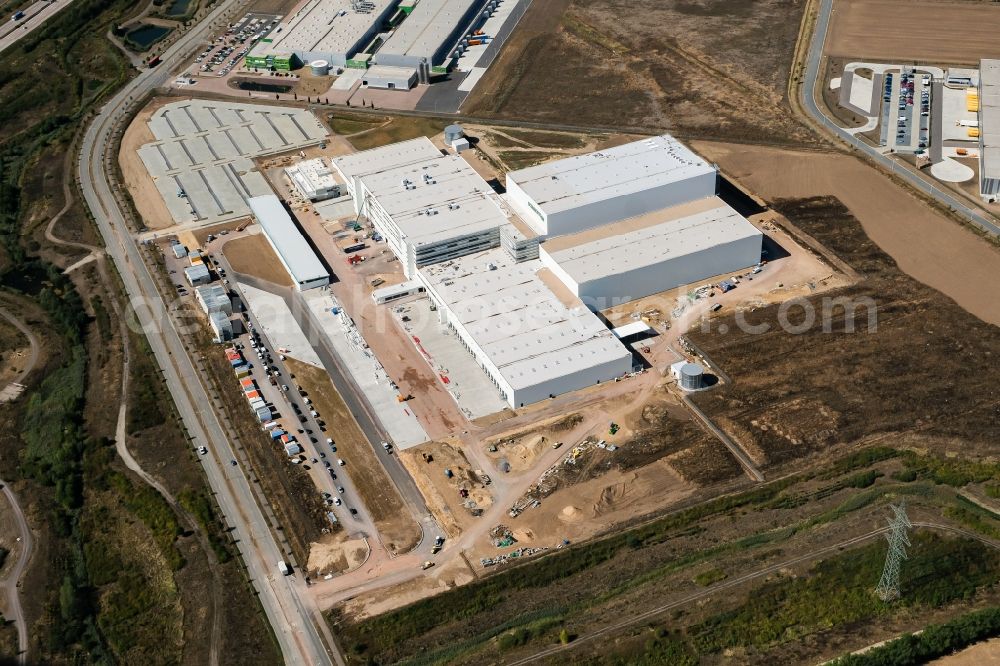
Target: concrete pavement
x,y
297,626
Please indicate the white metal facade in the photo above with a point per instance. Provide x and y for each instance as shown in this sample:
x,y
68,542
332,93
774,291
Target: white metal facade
x,y
313,179
586,191
663,250
390,77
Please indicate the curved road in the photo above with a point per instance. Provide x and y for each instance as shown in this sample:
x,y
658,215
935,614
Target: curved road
x,y
808,97
297,624
613,629
13,579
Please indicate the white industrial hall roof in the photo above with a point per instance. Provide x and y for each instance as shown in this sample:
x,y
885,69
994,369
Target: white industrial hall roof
x,y
296,254
989,113
627,169
436,199
531,327
426,28
374,160
312,175
648,239
327,26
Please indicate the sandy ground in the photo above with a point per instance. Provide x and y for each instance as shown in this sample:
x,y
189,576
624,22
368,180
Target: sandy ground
x,y
923,30
252,255
336,553
439,578
927,246
148,201
987,652
441,492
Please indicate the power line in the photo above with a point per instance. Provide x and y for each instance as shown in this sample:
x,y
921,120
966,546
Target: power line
x,y
888,586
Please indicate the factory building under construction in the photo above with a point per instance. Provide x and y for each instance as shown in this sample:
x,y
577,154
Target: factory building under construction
x,y
519,276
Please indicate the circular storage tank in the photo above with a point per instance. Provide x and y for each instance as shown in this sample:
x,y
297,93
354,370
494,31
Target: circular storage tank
x,y
320,67
691,376
453,133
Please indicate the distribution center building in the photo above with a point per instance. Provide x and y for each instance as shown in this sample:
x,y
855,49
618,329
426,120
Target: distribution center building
x,y
645,255
429,33
331,30
532,337
295,254
586,191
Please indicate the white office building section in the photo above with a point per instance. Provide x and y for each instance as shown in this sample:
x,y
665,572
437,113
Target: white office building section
x,y
651,253
313,179
586,191
532,337
429,207
295,254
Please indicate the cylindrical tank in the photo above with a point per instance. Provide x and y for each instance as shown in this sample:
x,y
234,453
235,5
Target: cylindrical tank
x,y
453,133
320,67
691,375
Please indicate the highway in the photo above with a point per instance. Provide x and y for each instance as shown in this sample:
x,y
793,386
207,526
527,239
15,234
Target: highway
x,y
808,97
297,624
34,16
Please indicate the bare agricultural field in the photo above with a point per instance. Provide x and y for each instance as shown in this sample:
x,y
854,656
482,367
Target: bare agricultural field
x,y
252,255
924,244
720,69
924,30
799,393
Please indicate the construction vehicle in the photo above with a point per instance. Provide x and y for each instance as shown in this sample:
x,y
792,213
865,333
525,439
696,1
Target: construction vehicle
x,y
427,565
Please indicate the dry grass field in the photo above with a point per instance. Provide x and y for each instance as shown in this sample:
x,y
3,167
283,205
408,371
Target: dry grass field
x,y
930,31
719,70
252,255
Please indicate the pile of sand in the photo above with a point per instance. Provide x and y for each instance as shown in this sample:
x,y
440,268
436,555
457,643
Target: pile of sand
x,y
570,514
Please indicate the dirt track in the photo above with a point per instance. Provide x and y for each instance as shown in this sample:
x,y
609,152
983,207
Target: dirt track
x,y
926,245
927,30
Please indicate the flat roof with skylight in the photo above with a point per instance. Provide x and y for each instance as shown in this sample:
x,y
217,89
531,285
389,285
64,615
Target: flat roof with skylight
x,y
629,169
425,31
331,27
436,199
650,240
533,331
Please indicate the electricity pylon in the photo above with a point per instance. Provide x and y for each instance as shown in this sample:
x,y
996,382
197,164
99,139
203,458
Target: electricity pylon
x,y
888,585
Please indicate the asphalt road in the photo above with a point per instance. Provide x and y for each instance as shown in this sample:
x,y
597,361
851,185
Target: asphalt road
x,y
809,88
354,398
34,16
297,625
13,580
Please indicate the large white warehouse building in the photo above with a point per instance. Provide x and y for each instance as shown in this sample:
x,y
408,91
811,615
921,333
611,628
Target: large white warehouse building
x,y
589,190
294,252
531,336
645,255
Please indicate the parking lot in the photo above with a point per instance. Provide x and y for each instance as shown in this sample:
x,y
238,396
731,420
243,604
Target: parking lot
x,y
201,163
227,50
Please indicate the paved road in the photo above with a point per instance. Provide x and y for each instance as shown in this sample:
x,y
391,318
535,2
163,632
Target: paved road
x,y
297,625
34,16
616,628
13,579
815,57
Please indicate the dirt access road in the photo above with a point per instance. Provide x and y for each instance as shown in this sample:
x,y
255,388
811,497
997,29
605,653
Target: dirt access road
x,y
928,31
927,246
